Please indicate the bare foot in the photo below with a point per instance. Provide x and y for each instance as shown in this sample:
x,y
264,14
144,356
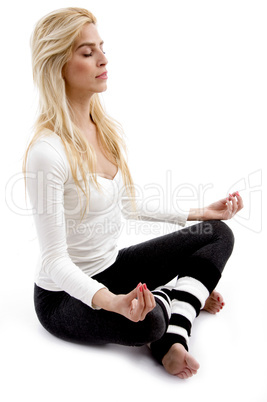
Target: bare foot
x,y
214,303
179,362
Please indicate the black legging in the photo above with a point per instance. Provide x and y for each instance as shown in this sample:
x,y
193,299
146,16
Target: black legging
x,y
204,247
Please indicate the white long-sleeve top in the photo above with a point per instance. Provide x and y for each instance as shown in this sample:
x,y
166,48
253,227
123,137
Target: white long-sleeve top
x,y
73,250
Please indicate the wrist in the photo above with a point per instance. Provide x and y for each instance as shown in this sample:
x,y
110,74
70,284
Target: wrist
x,y
104,299
196,214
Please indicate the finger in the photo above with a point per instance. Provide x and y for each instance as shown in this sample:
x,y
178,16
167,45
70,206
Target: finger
x,y
239,204
229,205
149,298
146,307
152,301
132,295
137,303
235,207
149,302
224,200
240,201
140,300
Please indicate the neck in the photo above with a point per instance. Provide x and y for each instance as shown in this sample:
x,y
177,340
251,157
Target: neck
x,y
80,111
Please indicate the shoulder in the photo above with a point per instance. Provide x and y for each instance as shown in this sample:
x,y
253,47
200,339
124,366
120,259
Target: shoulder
x,y
48,143
47,153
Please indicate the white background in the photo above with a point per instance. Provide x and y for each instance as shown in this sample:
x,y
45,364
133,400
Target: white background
x,y
187,80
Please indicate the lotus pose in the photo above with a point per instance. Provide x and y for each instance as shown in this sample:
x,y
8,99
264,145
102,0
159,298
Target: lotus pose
x,y
79,184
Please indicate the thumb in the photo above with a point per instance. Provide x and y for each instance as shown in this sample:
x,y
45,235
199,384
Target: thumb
x,y
132,295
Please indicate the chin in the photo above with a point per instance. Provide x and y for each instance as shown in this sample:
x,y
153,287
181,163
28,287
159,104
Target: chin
x,y
102,90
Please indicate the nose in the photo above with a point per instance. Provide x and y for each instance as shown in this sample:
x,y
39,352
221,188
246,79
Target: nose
x,y
102,61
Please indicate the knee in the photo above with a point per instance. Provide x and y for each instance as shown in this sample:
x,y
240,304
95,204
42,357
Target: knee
x,y
223,233
155,325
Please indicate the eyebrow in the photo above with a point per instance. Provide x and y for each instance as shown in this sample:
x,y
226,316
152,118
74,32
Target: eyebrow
x,y
90,44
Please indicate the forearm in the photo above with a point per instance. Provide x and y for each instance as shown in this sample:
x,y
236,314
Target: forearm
x,y
153,211
104,299
196,214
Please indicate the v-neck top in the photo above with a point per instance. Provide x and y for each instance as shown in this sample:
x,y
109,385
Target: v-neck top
x,y
73,250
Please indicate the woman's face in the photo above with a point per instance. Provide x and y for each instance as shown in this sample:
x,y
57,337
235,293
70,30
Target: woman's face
x,y
85,73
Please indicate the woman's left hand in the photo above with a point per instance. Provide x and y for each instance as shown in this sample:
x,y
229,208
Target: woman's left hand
x,y
224,209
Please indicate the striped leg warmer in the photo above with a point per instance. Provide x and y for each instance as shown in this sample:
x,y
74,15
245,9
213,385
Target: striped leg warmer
x,y
162,295
188,297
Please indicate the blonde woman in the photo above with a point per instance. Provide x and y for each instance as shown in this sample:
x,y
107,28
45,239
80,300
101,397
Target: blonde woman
x,y
79,185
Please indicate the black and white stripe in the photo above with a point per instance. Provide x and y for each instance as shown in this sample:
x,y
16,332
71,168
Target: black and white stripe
x,y
162,295
188,297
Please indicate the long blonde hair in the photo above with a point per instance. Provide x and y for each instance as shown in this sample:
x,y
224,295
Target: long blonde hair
x,y
52,45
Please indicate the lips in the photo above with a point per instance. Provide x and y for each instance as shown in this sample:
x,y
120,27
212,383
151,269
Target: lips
x,y
103,76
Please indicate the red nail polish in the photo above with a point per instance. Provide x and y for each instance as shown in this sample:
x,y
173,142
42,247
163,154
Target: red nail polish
x,y
237,193
218,299
145,287
138,284
141,288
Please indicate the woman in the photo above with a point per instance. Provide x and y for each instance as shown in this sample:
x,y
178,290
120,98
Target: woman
x,y
79,185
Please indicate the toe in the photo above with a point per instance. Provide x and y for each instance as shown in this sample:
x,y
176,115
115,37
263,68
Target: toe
x,y
216,296
213,307
191,362
188,372
220,298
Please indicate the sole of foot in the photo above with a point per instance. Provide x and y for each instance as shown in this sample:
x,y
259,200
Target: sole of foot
x,y
179,362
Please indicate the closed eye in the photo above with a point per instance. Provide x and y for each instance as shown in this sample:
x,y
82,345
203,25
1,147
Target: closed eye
x,y
91,54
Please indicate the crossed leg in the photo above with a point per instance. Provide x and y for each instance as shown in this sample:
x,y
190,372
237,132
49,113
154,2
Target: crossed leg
x,y
178,361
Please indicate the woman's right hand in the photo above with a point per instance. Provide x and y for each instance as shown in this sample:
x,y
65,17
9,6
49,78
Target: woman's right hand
x,y
134,305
